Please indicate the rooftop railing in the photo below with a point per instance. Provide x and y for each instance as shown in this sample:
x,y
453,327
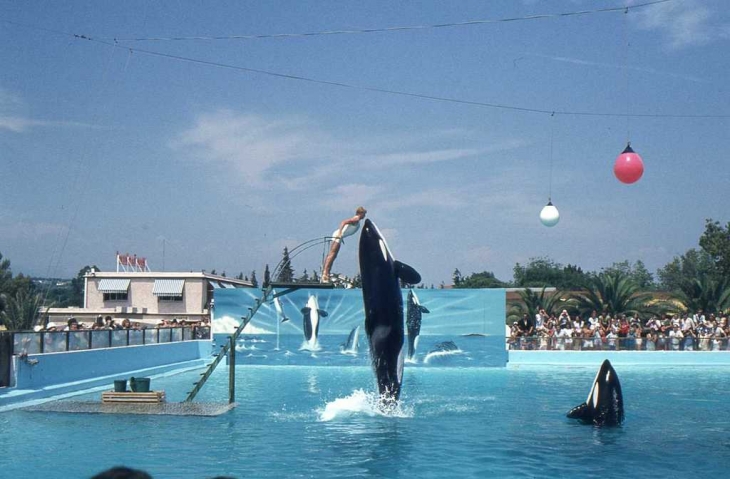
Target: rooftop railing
x,y
59,341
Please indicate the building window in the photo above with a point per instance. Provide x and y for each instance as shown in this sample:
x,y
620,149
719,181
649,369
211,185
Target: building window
x,y
170,298
116,296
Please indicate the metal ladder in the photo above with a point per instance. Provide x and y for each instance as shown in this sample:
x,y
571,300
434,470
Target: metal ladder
x,y
229,348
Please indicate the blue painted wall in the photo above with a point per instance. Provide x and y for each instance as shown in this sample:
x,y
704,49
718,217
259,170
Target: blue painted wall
x,y
452,311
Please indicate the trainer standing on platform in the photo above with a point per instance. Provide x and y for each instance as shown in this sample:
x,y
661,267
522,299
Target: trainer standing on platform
x,y
347,227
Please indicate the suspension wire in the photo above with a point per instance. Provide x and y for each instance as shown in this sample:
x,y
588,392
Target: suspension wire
x,y
83,168
388,29
398,92
377,89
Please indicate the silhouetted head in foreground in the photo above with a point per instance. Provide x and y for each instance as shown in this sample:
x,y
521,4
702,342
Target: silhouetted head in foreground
x,y
121,472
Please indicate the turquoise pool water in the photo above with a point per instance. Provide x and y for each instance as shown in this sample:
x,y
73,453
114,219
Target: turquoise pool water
x,y
316,421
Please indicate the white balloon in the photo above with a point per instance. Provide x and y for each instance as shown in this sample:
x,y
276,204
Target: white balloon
x,y
549,216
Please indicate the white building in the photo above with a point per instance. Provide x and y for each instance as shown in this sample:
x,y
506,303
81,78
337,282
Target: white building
x,y
146,296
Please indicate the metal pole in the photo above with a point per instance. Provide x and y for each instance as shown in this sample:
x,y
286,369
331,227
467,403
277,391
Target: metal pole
x,y
231,371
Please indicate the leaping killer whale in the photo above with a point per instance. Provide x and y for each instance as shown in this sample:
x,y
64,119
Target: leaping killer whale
x,y
605,403
310,320
414,312
383,302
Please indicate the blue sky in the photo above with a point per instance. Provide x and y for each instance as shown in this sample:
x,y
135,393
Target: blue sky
x,y
106,145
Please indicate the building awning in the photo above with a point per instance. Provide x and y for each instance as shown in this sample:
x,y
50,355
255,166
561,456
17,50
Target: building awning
x,y
215,284
228,285
168,287
113,286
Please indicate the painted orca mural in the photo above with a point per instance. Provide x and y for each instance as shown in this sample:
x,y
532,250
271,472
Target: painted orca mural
x,y
414,312
605,403
383,302
280,310
310,321
351,345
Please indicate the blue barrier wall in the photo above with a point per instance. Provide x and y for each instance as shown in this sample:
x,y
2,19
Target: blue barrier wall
x,y
45,375
625,358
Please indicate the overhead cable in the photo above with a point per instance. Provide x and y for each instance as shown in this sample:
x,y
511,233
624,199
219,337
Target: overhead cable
x,y
389,29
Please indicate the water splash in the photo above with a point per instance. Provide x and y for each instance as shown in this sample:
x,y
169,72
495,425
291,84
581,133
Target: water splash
x,y
359,404
310,346
438,355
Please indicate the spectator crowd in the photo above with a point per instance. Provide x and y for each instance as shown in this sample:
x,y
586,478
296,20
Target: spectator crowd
x,y
686,332
109,323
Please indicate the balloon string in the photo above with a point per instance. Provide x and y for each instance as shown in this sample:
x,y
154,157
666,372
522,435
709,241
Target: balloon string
x,y
550,176
626,74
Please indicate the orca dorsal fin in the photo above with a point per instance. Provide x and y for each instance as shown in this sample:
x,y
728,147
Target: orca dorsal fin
x,y
406,273
322,312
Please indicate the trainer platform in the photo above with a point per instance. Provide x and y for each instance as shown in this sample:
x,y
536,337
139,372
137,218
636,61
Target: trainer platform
x,y
160,409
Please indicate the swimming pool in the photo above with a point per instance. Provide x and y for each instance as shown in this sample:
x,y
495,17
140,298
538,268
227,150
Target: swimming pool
x,y
319,421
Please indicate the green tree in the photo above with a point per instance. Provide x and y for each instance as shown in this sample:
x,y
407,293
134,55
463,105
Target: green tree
x,y
267,276
456,278
21,310
78,284
6,274
715,241
615,293
485,279
531,302
304,278
707,294
539,272
254,281
638,273
679,274
286,272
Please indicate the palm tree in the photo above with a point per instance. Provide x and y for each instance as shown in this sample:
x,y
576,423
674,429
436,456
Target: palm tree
x,y
705,293
615,293
21,311
531,302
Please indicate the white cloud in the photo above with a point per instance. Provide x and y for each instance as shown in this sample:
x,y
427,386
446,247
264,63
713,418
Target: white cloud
x,y
20,125
416,157
298,154
434,198
614,66
686,23
251,144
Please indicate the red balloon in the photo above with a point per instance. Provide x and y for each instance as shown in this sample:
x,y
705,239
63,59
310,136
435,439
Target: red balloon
x,y
628,167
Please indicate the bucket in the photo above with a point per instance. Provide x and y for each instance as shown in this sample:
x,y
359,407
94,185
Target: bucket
x,y
139,385
120,386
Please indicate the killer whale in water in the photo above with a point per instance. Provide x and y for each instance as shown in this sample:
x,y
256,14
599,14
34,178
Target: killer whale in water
x,y
383,302
445,346
310,320
605,403
414,312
